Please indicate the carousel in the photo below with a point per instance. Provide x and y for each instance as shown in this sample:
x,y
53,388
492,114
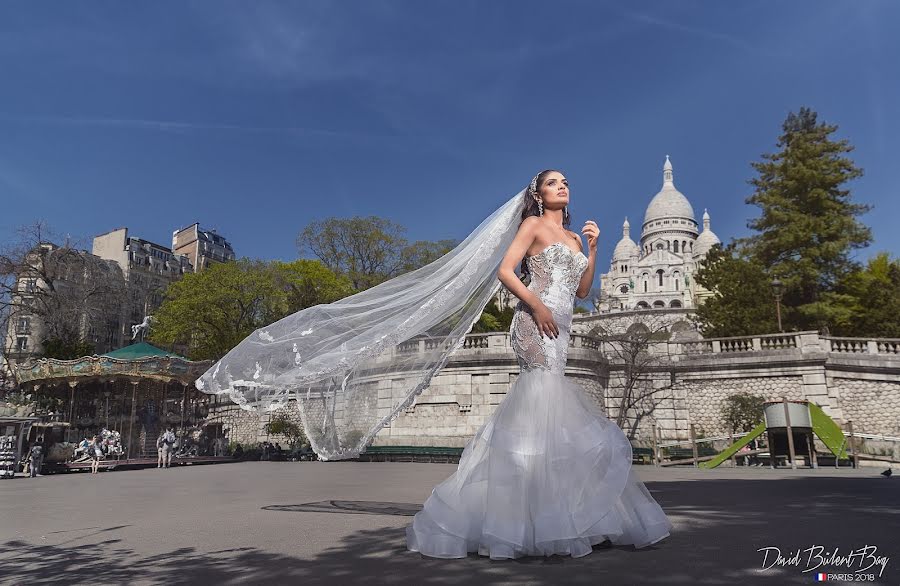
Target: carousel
x,y
127,398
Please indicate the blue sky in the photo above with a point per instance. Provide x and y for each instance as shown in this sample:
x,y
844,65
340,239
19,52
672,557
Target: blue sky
x,y
256,118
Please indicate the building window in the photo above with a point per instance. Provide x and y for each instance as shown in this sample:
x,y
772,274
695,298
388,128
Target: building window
x,y
23,325
623,289
22,344
675,249
659,273
30,285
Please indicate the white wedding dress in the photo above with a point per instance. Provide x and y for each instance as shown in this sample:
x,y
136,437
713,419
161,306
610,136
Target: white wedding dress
x,y
547,473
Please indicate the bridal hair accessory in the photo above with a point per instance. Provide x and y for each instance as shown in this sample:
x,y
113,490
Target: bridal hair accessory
x,y
540,207
532,187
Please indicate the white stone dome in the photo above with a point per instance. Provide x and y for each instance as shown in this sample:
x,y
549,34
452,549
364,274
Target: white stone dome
x,y
626,248
669,202
707,238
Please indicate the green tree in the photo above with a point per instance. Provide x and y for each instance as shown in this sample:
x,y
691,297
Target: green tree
x,y
368,250
741,303
869,300
307,283
808,224
281,424
422,252
742,412
494,319
211,311
66,349
365,249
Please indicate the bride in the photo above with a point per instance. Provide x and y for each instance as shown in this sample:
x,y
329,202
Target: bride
x,y
547,473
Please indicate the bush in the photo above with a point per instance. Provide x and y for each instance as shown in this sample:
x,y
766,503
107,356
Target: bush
x,y
742,412
282,425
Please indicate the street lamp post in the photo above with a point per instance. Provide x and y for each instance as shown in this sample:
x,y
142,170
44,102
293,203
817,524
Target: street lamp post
x,y
778,291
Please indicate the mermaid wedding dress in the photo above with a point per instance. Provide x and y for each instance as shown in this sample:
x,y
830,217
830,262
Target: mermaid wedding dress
x,y
547,473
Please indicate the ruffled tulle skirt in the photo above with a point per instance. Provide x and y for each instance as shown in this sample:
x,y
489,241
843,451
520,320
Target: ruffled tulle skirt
x,y
546,474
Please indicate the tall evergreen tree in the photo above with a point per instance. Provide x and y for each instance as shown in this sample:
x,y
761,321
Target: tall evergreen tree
x,y
808,225
741,303
869,300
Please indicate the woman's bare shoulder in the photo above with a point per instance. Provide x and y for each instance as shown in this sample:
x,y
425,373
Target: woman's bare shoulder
x,y
575,237
530,226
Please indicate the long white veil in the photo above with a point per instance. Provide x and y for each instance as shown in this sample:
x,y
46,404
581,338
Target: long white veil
x,y
353,365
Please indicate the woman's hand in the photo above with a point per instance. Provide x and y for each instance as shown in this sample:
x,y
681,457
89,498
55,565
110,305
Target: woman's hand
x,y
545,323
592,232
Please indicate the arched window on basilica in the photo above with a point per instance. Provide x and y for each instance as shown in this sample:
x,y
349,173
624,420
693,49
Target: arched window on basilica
x,y
675,246
659,274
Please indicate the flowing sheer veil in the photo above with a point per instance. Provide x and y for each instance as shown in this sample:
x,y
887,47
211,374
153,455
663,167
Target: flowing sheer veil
x,y
352,366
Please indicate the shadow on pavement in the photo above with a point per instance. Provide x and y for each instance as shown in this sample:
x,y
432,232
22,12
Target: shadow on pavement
x,y
350,507
720,525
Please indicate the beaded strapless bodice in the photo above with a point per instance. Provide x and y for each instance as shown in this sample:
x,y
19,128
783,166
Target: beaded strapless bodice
x,y
555,274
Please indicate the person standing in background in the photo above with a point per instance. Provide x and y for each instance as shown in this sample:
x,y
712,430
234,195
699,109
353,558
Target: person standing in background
x,y
37,457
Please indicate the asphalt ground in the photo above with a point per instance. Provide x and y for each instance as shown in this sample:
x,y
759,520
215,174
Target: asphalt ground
x,y
343,523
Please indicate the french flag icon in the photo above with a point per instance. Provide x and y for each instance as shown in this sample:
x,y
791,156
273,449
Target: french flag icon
x,y
821,577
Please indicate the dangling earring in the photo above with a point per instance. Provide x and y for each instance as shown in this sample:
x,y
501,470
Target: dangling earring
x,y
540,207
566,212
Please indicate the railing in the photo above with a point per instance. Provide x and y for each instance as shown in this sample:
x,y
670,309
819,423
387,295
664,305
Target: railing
x,y
485,341
477,341
884,346
790,342
741,344
736,345
778,341
731,438
408,347
803,341
579,341
888,346
698,347
848,345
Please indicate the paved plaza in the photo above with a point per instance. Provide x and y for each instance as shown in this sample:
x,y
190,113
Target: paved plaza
x,y
343,523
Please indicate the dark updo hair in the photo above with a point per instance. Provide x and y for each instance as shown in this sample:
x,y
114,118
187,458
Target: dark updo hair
x,y
531,207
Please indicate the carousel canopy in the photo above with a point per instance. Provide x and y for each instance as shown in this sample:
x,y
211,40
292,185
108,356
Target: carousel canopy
x,y
140,350
135,362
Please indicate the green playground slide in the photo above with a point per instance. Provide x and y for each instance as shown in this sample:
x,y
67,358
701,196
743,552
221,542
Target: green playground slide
x,y
822,425
733,448
828,431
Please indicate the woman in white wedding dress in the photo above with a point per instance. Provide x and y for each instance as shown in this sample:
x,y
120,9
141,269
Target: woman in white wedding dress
x,y
547,473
